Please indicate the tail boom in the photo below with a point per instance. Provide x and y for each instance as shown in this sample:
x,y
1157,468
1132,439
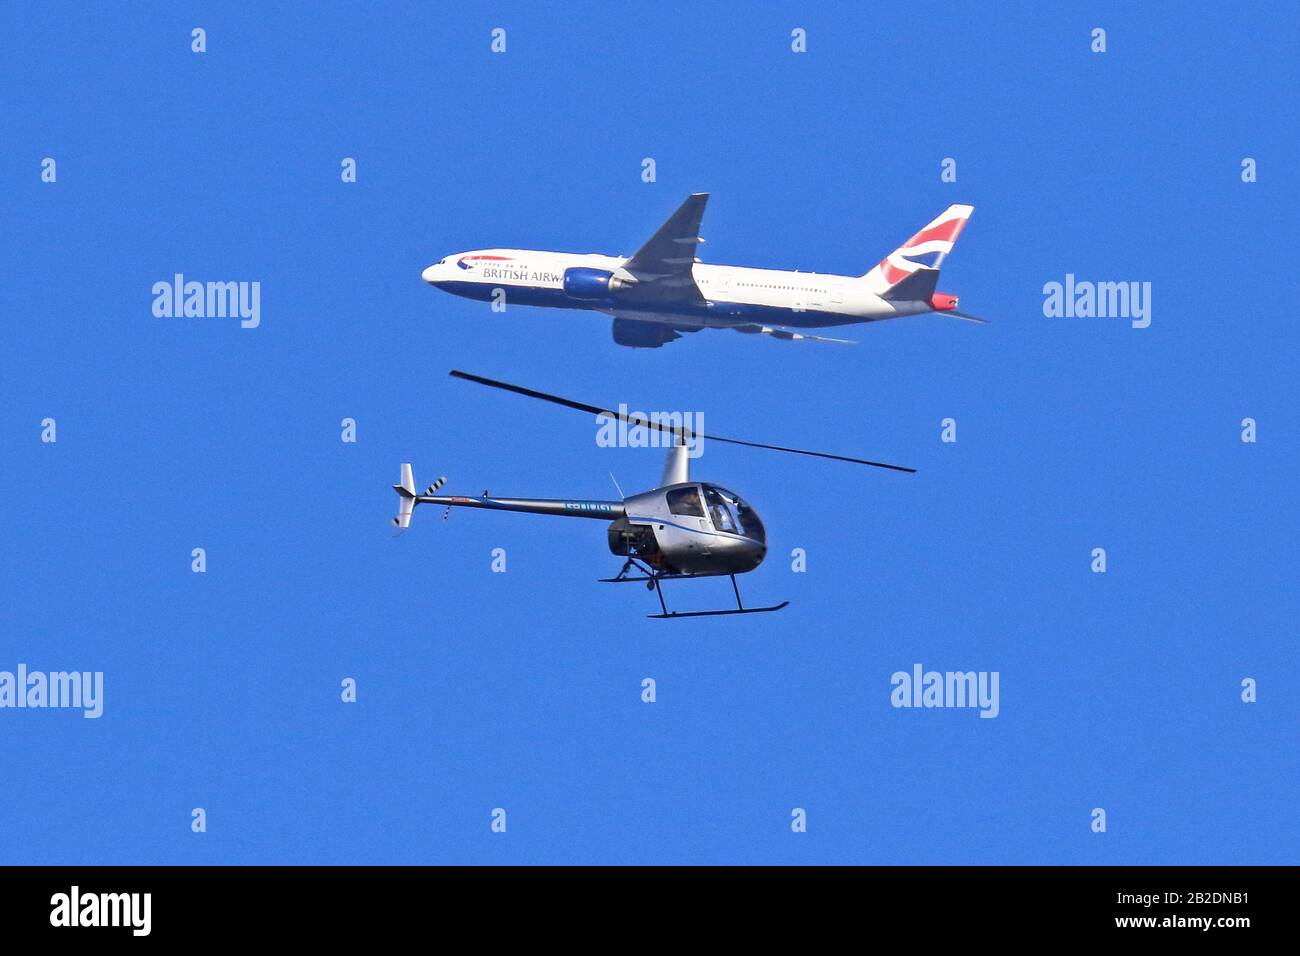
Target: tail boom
x,y
559,507
408,498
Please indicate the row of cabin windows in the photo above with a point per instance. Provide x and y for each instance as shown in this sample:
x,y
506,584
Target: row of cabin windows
x,y
763,285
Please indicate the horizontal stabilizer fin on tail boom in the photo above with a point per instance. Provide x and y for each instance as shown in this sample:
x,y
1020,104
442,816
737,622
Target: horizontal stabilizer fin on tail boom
x,y
406,497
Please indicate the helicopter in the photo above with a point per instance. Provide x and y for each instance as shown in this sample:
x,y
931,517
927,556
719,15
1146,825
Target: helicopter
x,y
681,530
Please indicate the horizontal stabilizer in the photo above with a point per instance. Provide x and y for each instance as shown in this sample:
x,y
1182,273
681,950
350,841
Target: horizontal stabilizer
x,y
406,497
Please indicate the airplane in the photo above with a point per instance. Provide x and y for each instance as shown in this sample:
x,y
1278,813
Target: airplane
x,y
682,529
663,290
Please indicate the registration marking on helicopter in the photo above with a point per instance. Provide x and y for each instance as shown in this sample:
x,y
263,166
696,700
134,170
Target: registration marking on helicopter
x,y
588,506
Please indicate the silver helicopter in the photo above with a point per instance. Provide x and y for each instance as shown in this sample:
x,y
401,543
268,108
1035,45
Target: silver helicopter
x,y
680,530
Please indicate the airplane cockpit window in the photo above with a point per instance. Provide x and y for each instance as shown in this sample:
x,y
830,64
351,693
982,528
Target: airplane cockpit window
x,y
732,514
685,501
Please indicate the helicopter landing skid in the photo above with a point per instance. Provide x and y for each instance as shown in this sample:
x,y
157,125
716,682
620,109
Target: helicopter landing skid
x,y
651,579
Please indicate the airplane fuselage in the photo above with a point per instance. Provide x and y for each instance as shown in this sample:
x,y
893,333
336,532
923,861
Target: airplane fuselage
x,y
728,295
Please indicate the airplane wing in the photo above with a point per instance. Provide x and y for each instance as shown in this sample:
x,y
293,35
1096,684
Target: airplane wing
x,y
662,267
789,335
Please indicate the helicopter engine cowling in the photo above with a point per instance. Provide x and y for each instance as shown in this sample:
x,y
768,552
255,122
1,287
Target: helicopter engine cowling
x,y
591,284
629,540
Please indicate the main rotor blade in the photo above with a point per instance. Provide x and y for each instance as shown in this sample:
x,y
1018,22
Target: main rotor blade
x,y
520,390
683,431
813,454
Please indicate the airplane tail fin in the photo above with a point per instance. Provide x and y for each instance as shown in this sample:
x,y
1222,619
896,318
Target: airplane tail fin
x,y
912,270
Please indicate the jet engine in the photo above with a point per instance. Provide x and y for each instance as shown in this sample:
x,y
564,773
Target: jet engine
x,y
643,335
583,283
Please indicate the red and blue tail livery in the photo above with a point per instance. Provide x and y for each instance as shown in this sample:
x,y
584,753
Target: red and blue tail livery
x,y
925,250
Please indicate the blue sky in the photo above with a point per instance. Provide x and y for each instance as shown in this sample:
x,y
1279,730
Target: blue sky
x,y
522,690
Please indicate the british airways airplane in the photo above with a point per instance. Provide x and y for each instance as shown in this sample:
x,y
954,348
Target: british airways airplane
x,y
664,290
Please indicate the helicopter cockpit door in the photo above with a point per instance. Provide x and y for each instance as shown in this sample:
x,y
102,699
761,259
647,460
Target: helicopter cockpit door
x,y
685,503
724,519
